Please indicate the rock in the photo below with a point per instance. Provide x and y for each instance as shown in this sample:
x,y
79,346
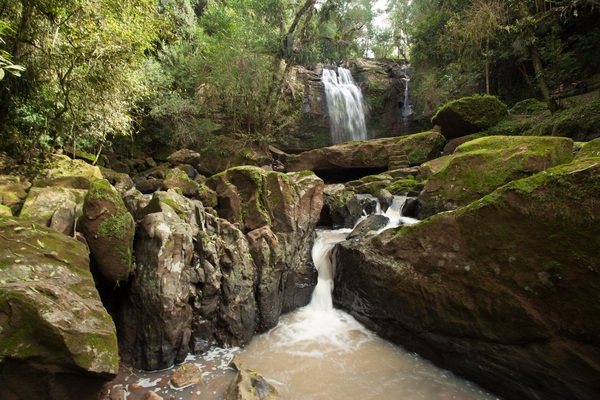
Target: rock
x,y
56,339
117,394
5,211
150,395
250,385
186,374
177,178
185,156
155,318
278,212
109,230
502,292
13,191
63,166
410,207
482,165
149,185
469,115
341,207
373,222
42,203
589,149
385,199
225,310
452,144
370,184
121,182
370,154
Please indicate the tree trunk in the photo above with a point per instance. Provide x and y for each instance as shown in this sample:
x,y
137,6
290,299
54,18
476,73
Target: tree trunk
x,y
539,73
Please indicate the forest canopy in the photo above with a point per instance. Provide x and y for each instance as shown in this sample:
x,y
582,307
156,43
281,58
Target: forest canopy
x,y
80,74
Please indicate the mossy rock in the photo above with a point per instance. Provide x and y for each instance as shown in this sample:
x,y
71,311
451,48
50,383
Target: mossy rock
x,y
589,149
529,107
514,278
469,115
55,330
480,166
404,186
13,191
43,202
61,166
109,230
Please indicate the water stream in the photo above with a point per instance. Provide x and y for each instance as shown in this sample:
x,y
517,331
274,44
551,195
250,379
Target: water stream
x,y
318,352
346,105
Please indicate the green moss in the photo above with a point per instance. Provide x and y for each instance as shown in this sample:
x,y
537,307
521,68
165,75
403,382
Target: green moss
x,y
116,225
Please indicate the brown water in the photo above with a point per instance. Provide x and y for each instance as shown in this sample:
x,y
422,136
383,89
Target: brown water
x,y
319,352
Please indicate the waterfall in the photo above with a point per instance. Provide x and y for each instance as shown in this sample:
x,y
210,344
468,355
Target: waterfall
x,y
347,108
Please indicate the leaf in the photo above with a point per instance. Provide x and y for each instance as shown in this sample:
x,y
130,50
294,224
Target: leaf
x,y
19,228
42,245
3,282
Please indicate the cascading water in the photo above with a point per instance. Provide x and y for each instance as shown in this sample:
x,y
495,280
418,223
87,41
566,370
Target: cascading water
x,y
346,105
319,352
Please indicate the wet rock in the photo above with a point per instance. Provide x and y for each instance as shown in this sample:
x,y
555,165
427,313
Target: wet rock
x,y
480,166
469,115
55,332
109,230
186,374
373,222
117,394
488,291
341,207
250,385
151,396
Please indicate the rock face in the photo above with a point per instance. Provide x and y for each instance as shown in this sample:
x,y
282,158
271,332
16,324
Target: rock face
x,y
56,339
386,153
155,321
278,212
478,167
503,291
109,230
469,115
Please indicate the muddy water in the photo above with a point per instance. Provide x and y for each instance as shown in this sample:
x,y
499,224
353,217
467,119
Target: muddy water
x,y
318,352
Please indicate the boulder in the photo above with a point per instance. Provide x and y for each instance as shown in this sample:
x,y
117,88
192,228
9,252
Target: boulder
x,y
149,186
589,149
155,319
121,182
56,339
502,292
480,166
109,230
373,222
249,385
186,374
43,203
469,115
185,156
224,278
341,207
13,191
371,154
63,166
177,178
278,212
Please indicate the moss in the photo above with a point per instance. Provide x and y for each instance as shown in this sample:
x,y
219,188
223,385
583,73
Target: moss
x,y
529,107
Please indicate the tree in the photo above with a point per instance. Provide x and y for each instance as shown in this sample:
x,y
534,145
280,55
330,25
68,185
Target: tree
x,y
481,22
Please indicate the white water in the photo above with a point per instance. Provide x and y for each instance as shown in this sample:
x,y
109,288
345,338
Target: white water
x,y
319,352
347,108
